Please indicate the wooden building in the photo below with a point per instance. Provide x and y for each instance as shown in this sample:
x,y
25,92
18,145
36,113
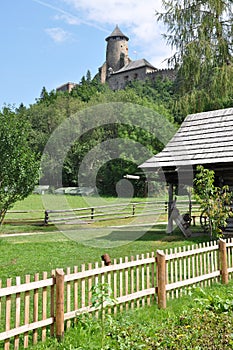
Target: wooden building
x,y
203,139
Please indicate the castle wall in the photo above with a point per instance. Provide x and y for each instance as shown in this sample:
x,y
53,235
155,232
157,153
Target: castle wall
x,y
103,73
119,80
66,87
163,74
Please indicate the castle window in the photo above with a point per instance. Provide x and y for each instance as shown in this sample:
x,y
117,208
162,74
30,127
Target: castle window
x,y
126,77
135,76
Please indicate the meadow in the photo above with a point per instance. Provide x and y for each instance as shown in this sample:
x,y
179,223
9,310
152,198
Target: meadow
x,y
45,248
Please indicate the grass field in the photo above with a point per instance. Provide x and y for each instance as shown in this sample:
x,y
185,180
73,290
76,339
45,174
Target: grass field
x,y
48,248
28,215
43,252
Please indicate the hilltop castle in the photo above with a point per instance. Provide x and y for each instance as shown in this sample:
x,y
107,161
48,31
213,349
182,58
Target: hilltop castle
x,y
119,69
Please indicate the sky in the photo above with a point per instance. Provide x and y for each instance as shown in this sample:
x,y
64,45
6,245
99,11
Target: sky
x,y
46,43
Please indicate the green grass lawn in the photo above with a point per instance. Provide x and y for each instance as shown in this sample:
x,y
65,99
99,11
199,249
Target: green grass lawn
x,y
48,248
28,215
43,252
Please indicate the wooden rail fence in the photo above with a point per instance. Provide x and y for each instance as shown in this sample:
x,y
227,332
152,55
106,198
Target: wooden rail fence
x,y
35,307
150,209
107,212
116,211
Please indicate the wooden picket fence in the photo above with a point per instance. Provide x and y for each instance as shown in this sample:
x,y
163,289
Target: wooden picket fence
x,y
34,308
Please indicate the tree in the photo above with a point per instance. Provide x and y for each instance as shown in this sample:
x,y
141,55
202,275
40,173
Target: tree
x,y
200,32
18,166
47,114
213,200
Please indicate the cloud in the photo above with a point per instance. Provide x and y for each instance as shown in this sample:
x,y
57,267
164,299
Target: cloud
x,y
138,17
68,19
59,35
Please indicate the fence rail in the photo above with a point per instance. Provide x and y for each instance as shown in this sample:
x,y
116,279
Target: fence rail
x,y
108,212
35,307
115,211
99,213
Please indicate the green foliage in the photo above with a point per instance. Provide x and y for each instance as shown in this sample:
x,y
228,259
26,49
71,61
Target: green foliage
x,y
18,166
158,91
215,303
53,108
88,88
150,328
101,297
50,112
213,200
217,94
200,32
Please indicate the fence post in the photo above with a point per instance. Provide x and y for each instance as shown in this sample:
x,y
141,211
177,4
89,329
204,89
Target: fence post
x,y
170,203
161,279
46,217
92,213
223,261
59,304
134,208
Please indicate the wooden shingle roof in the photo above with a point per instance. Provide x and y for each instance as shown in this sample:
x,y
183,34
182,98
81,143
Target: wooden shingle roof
x,y
203,138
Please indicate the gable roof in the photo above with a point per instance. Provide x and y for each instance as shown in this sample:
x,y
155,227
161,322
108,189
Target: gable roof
x,y
135,65
203,138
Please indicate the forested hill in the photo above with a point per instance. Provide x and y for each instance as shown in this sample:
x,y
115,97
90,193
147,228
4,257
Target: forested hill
x,y
161,97
51,109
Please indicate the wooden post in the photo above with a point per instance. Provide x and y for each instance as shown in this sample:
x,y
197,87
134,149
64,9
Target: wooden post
x,y
46,217
223,261
161,279
170,202
134,208
92,213
59,304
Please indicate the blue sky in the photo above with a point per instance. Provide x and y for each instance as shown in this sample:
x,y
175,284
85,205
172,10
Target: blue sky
x,y
48,43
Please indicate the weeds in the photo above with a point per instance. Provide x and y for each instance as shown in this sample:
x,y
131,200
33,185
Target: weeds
x,y
101,297
214,303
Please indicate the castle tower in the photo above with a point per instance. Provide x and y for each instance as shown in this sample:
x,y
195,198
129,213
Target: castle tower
x,y
117,51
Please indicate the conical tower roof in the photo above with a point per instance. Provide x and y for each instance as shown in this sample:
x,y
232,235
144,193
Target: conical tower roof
x,y
117,32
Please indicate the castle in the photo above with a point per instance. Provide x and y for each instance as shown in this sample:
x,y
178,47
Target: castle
x,y
119,69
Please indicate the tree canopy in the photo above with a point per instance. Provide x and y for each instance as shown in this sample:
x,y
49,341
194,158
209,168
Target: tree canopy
x,y
19,168
200,33
54,108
